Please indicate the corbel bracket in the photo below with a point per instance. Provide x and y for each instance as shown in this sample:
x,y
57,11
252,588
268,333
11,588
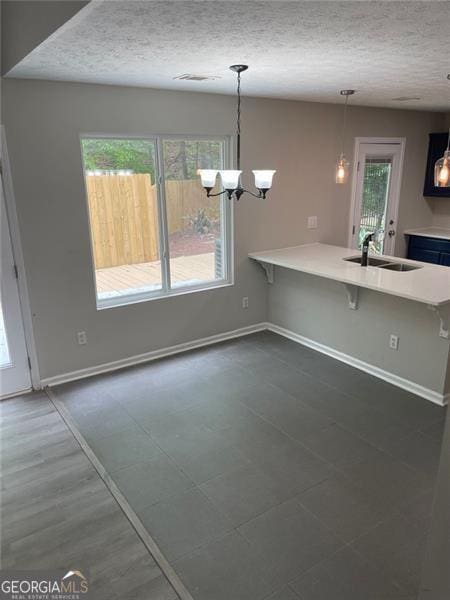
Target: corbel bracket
x,y
443,312
268,269
353,296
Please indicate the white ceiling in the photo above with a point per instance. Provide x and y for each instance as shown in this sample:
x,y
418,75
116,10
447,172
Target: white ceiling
x,y
297,50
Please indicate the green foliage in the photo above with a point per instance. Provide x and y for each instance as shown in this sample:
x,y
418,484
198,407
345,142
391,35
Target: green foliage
x,y
373,208
182,158
113,154
376,180
202,223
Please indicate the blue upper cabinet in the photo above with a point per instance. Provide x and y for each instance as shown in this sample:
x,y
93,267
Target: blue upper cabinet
x,y
436,149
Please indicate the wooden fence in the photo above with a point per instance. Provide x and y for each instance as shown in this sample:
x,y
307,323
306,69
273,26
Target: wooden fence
x,y
123,213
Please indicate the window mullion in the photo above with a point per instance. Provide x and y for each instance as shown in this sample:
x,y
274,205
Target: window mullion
x,y
162,211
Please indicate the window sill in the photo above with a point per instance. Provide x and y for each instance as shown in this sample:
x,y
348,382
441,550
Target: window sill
x,y
126,299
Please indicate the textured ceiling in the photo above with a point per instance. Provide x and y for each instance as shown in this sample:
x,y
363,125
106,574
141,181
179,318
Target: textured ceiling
x,y
297,50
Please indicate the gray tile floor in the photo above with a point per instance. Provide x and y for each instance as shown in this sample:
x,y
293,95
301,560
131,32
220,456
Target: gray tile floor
x,y
265,470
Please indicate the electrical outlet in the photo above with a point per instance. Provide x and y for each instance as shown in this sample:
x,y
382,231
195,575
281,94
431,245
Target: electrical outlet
x,y
312,222
245,302
82,338
393,342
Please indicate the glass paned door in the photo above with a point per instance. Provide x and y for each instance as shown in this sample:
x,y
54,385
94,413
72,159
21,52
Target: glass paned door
x,y
376,195
14,371
195,222
153,229
122,199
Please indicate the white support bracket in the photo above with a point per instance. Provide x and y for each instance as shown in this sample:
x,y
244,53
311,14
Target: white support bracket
x,y
443,312
268,268
353,296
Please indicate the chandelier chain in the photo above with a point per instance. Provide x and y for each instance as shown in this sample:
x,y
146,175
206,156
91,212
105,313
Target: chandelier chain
x,y
231,178
238,123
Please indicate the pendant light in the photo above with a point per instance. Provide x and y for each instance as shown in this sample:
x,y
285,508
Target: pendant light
x,y
442,168
342,166
231,179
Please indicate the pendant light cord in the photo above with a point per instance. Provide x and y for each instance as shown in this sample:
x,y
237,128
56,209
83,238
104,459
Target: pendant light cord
x,y
344,125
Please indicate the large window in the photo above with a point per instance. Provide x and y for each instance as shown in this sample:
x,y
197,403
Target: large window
x,y
153,230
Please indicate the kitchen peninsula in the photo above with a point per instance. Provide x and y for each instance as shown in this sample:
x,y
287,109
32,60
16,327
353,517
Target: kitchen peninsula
x,y
321,296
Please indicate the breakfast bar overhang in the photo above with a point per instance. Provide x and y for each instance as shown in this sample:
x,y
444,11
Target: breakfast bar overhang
x,y
390,296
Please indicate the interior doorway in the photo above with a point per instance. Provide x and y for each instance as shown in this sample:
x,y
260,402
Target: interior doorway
x,y
15,374
376,192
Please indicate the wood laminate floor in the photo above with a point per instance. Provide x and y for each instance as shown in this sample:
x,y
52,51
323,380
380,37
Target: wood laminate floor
x,y
57,513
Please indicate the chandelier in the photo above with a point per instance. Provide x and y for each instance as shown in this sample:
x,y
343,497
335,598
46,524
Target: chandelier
x,y
231,179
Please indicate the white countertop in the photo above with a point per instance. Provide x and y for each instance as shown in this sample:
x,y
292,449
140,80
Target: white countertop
x,y
433,232
430,284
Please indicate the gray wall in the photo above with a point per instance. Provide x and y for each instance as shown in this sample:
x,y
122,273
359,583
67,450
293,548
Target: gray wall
x,y
25,24
317,309
43,121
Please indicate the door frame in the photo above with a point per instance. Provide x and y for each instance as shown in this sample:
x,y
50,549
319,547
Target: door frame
x,y
16,244
395,191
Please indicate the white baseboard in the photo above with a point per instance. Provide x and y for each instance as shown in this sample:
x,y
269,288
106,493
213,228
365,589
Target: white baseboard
x,y
15,394
153,355
396,380
406,384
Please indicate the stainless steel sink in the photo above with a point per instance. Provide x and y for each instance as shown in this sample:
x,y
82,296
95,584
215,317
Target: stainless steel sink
x,y
400,267
382,263
373,262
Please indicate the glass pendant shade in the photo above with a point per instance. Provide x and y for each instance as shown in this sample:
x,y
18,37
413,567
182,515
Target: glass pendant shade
x,y
263,179
230,179
342,165
342,170
208,177
442,171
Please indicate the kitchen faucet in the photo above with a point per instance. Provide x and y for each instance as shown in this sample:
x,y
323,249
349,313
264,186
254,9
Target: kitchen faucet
x,y
365,249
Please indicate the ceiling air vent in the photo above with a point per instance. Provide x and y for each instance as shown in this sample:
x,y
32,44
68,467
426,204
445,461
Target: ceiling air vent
x,y
405,98
192,77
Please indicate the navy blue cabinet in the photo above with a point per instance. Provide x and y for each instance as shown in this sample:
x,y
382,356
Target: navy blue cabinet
x,y
428,249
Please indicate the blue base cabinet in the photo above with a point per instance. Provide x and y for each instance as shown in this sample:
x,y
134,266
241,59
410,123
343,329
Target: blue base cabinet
x,y
431,250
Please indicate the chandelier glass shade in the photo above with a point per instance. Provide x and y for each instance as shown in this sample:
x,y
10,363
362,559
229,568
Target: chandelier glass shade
x,y
231,178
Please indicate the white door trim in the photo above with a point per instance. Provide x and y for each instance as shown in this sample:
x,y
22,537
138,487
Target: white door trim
x,y
397,184
19,260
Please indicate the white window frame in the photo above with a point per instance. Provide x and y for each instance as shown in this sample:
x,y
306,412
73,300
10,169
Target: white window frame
x,y
227,229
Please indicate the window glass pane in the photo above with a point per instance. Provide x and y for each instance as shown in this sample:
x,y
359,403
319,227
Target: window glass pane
x,y
4,351
377,172
195,223
123,213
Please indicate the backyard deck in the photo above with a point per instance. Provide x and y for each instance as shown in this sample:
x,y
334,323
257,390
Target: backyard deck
x,y
183,268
